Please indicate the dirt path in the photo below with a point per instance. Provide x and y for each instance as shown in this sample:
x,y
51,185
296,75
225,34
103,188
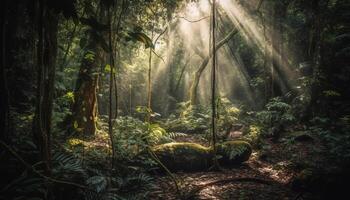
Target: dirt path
x,y
276,187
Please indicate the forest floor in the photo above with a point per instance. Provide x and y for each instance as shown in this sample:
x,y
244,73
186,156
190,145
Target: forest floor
x,y
228,184
267,175
261,177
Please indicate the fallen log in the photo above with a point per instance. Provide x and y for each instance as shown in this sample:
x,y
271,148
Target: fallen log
x,y
193,157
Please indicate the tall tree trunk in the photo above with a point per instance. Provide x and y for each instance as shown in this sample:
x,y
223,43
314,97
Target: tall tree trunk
x,y
275,48
198,73
314,57
266,57
123,9
149,84
84,109
172,67
4,103
111,78
279,68
213,85
85,98
47,52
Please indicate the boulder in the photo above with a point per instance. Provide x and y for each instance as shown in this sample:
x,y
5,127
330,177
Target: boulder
x,y
184,156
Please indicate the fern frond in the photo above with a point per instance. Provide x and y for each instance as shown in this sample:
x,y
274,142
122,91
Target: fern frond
x,y
174,135
64,163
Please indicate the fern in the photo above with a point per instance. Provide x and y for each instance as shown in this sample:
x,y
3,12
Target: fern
x,y
131,187
24,187
65,164
134,180
236,151
98,183
174,135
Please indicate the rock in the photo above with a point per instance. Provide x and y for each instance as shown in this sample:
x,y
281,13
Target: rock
x,y
234,152
184,156
194,157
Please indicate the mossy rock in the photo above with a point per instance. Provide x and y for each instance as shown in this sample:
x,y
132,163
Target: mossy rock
x,y
194,157
233,152
183,156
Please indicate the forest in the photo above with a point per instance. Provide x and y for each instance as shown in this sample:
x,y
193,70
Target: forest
x,y
175,99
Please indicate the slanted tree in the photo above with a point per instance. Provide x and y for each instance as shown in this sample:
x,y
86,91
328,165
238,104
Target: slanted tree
x,y
203,65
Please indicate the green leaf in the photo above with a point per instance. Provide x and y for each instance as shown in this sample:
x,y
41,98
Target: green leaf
x,y
143,109
90,56
75,124
69,96
108,68
99,183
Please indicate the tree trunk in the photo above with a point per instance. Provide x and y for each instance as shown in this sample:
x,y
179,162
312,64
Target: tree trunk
x,y
47,52
111,82
275,49
314,57
85,99
213,87
198,73
267,54
279,69
4,103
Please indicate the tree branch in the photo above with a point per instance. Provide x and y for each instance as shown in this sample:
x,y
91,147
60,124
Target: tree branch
x,y
259,5
205,62
192,21
182,73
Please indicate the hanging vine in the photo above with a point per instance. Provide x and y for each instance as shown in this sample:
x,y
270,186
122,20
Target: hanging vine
x,y
213,84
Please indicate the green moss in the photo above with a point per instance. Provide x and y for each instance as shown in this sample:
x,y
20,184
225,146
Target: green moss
x,y
183,156
233,152
192,156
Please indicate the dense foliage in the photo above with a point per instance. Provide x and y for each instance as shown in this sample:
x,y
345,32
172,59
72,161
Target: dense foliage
x,y
90,88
